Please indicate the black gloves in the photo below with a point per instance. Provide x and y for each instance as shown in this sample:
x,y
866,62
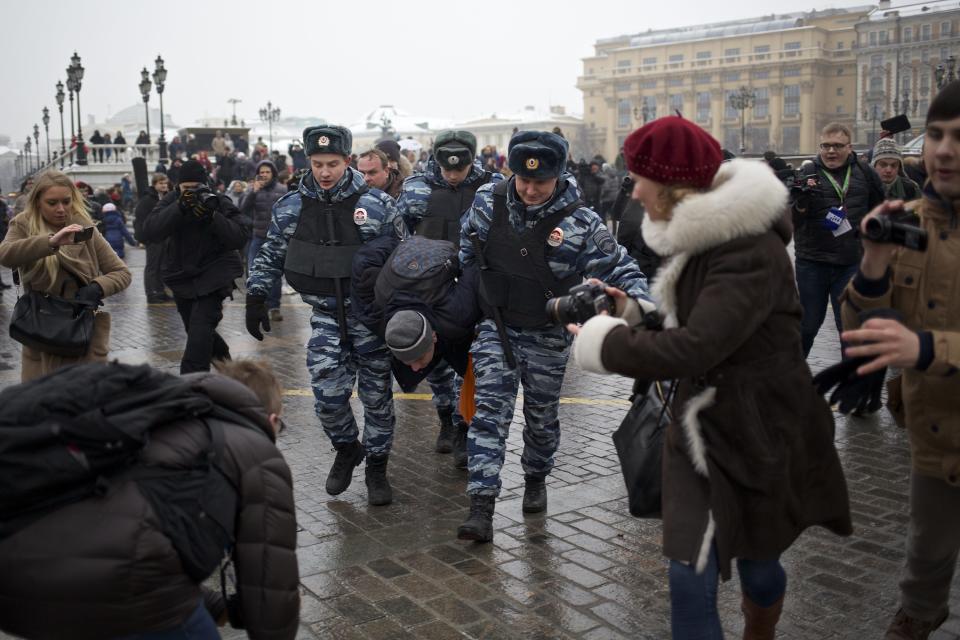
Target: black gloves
x,y
853,393
257,316
92,294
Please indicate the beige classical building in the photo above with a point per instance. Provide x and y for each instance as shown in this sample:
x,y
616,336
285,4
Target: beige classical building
x,y
899,49
800,67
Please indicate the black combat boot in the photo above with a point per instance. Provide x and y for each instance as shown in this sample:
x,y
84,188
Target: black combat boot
x,y
447,431
460,446
378,487
535,494
479,526
349,456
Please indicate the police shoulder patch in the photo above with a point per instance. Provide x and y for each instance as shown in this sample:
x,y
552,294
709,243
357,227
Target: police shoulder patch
x,y
400,227
605,241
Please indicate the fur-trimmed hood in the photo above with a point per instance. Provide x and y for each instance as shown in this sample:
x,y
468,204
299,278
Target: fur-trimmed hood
x,y
745,199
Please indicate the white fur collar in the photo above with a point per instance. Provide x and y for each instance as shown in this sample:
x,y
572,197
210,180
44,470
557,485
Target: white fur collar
x,y
745,199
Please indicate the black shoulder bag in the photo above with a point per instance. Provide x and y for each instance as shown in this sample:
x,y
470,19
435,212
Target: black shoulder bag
x,y
53,324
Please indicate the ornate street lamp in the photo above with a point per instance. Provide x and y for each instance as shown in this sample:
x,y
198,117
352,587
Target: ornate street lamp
x,y
77,84
643,113
874,114
741,100
71,87
270,114
159,78
26,147
36,140
145,94
234,102
60,96
946,72
46,128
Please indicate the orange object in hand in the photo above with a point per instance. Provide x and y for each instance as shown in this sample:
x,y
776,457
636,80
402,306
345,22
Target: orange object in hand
x,y
468,389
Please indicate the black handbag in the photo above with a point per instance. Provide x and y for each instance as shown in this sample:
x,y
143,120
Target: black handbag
x,y
52,324
639,444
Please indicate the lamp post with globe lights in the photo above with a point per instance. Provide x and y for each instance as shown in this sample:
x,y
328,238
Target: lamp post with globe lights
x,y
60,96
270,114
159,78
77,70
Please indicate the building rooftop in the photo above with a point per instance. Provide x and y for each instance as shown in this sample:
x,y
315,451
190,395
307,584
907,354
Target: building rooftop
x,y
747,26
912,9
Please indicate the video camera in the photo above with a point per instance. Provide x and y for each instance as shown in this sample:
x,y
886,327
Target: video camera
x,y
582,303
799,183
901,228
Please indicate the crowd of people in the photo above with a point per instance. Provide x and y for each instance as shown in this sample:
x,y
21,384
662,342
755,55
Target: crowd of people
x,y
438,266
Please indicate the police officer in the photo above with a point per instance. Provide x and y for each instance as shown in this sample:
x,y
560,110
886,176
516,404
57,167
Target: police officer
x,y
533,239
432,204
314,233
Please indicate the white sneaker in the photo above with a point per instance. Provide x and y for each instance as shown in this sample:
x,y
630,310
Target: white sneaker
x,y
287,289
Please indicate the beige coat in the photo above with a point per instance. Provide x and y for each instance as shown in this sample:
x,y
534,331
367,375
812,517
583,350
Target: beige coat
x,y
90,261
926,290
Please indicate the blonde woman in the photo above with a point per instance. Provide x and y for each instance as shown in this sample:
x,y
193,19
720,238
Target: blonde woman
x,y
40,243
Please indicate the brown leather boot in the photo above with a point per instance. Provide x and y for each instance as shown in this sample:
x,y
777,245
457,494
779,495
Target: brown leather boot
x,y
905,627
760,623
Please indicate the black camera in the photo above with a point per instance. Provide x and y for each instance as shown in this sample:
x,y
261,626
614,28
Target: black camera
x,y
801,183
900,228
207,199
582,303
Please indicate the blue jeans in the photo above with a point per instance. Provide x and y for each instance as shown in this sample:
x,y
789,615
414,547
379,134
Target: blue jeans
x,y
199,626
693,598
817,282
273,298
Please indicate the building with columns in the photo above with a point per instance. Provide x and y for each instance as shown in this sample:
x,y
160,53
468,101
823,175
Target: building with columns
x,y
899,49
800,68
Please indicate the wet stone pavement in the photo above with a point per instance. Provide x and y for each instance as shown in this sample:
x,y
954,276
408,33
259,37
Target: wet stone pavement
x,y
586,569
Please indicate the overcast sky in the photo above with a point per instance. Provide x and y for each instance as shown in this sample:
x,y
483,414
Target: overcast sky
x,y
336,61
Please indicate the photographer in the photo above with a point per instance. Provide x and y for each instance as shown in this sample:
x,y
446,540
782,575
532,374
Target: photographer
x,y
203,234
828,201
751,463
925,343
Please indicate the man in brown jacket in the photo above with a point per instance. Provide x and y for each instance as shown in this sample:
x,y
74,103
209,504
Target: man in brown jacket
x,y
103,567
925,288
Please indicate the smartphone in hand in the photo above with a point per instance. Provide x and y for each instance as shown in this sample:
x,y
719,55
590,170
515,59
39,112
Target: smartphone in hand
x,y
84,235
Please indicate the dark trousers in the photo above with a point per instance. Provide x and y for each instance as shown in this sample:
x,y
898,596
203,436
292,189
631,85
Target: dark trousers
x,y
818,282
200,318
152,283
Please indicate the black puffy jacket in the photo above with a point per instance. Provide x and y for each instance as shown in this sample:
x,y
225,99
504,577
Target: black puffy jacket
x,y
200,255
813,240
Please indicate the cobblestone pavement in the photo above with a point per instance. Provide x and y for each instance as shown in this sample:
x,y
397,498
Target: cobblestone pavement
x,y
585,569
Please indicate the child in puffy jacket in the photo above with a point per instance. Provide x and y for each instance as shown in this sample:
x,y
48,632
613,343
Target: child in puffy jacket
x,y
115,229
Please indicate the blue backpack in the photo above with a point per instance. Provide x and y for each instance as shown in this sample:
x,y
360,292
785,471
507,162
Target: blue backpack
x,y
419,266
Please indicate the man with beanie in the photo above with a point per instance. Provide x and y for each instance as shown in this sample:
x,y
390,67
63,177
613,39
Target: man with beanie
x,y
533,239
203,234
416,278
888,163
838,190
313,236
257,205
432,205
925,344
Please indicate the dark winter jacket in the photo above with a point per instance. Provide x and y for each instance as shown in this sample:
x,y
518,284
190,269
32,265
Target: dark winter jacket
x,y
145,206
102,568
814,241
590,186
453,317
115,231
200,255
749,460
258,205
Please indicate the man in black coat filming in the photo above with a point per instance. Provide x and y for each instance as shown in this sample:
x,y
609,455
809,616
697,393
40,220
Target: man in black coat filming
x,y
202,233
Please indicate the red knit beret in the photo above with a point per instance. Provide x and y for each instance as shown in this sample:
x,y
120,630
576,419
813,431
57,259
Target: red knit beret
x,y
672,150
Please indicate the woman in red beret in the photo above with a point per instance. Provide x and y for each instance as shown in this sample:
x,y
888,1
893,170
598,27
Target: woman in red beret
x,y
749,462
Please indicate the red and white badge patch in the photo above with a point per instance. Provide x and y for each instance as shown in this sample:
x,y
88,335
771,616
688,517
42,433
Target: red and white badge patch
x,y
555,239
359,216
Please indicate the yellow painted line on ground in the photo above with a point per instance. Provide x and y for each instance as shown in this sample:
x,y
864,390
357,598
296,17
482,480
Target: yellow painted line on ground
x,y
428,396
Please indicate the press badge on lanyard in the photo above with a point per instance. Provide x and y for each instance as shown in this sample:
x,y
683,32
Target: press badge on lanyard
x,y
836,219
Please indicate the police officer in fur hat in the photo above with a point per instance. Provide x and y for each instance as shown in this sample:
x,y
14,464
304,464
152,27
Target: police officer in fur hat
x,y
431,204
536,239
313,235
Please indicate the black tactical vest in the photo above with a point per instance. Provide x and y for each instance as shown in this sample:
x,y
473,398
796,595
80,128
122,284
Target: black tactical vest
x,y
444,208
517,278
322,247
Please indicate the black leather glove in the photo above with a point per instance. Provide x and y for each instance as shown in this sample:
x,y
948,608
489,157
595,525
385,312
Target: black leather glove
x,y
853,393
257,316
92,294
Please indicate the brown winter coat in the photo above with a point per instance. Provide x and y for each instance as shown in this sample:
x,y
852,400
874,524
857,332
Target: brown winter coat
x,y
90,261
926,289
749,461
101,568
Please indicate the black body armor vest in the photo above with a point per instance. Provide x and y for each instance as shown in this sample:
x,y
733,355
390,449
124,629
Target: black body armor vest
x,y
517,278
322,247
444,208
